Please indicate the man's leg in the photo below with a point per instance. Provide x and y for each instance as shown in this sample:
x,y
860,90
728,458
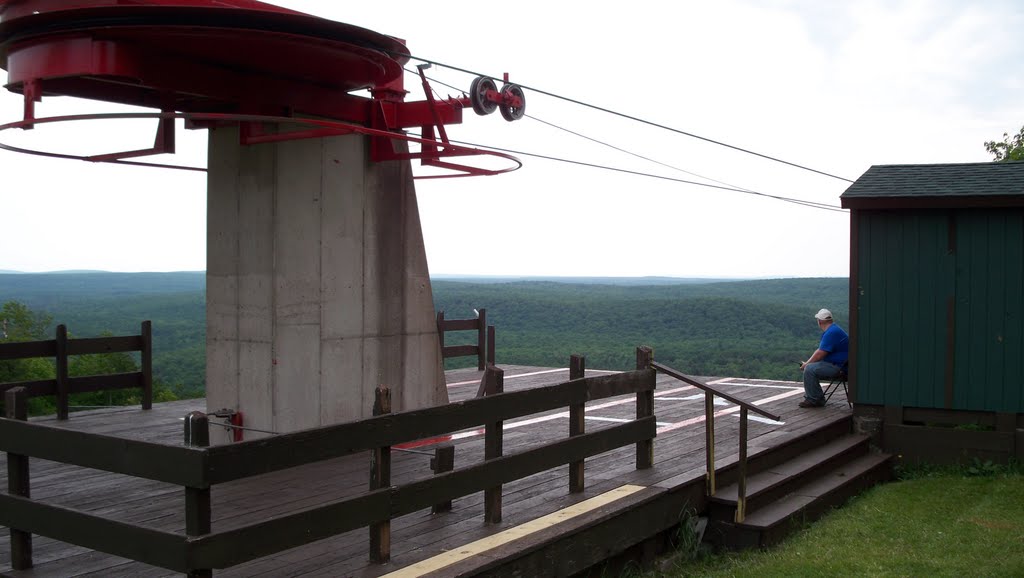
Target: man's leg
x,y
813,374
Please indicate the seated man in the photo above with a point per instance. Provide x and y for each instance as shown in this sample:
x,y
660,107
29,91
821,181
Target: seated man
x,y
826,362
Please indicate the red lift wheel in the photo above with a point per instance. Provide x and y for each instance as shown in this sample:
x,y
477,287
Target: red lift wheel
x,y
478,95
508,112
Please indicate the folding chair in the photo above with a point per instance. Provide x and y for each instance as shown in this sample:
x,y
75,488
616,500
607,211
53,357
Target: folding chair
x,y
835,383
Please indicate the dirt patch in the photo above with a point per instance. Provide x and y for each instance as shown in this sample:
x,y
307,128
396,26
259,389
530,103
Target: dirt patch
x,y
993,524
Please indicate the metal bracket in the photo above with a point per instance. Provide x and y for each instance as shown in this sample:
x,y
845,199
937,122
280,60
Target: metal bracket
x,y
233,424
163,143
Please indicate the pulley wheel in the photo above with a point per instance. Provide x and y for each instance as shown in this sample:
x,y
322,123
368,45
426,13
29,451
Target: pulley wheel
x,y
511,113
478,95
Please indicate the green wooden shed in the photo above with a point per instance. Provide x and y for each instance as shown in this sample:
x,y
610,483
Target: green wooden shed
x,y
937,307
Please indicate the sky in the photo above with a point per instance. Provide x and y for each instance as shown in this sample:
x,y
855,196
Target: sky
x,y
835,86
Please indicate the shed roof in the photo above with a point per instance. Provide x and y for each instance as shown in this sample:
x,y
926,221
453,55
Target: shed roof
x,y
945,185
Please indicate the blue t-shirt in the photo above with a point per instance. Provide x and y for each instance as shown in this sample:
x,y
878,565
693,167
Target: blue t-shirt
x,y
836,343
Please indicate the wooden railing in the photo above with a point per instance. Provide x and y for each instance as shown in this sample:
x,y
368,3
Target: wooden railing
x,y
484,348
709,433
198,468
61,348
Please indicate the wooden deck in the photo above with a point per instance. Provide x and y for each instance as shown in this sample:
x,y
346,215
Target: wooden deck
x,y
418,539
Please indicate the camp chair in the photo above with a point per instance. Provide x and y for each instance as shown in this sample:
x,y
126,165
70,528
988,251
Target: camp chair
x,y
836,382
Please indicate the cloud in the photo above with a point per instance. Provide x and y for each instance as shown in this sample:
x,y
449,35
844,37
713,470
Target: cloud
x,y
833,86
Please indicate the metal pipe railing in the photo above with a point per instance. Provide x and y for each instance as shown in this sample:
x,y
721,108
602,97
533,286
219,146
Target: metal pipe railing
x,y
710,392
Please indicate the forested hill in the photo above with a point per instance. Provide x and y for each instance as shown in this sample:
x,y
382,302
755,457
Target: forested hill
x,y
92,303
738,328
52,289
833,292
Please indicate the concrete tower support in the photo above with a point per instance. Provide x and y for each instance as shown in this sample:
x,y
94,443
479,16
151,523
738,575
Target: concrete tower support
x,y
317,284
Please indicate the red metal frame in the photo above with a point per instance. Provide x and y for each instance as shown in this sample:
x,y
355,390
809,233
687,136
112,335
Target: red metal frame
x,y
320,127
182,55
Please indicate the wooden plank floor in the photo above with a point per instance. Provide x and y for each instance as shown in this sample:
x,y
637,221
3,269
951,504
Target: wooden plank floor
x,y
678,450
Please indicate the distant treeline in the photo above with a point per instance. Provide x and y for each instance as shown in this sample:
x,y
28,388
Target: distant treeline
x,y
737,328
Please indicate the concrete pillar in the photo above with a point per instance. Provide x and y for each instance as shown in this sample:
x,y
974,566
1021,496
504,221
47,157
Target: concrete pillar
x,y
317,287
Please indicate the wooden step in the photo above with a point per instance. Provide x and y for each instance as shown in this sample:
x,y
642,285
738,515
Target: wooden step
x,y
771,451
772,523
779,480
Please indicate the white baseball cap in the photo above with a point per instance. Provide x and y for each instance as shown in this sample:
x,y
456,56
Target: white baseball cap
x,y
823,315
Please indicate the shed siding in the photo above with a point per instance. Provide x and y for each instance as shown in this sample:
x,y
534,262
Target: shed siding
x,y
1013,342
905,278
909,269
989,374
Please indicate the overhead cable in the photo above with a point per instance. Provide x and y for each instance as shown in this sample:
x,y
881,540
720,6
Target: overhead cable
x,y
637,155
643,121
726,186
810,204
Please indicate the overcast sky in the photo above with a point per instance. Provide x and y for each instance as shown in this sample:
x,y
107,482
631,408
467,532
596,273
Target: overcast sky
x,y
837,86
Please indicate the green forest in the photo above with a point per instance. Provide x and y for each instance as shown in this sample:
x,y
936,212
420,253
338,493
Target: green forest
x,y
752,328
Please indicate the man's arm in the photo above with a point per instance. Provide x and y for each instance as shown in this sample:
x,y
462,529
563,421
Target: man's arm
x,y
818,355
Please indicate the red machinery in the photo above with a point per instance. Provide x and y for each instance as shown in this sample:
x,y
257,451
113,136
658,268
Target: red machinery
x,y
216,62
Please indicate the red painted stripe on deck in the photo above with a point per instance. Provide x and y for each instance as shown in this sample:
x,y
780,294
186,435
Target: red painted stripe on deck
x,y
423,442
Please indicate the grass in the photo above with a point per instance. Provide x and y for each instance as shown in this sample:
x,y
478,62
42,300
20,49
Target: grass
x,y
932,523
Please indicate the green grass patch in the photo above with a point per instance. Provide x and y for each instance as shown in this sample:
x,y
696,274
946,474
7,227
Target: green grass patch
x,y
932,525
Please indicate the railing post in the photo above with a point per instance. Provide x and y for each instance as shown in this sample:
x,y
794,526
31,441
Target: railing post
x,y
197,500
440,332
481,340
495,383
644,408
577,369
489,382
147,364
443,461
490,345
741,492
709,440
62,372
16,407
380,477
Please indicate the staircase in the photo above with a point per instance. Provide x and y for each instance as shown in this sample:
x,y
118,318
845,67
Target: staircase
x,y
795,483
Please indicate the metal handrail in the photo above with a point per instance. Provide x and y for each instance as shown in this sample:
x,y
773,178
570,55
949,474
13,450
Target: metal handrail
x,y
708,387
709,433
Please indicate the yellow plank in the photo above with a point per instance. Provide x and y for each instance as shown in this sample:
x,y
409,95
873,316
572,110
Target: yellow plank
x,y
500,539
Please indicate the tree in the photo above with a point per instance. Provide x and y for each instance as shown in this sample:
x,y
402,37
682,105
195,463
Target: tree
x,y
1011,149
19,323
